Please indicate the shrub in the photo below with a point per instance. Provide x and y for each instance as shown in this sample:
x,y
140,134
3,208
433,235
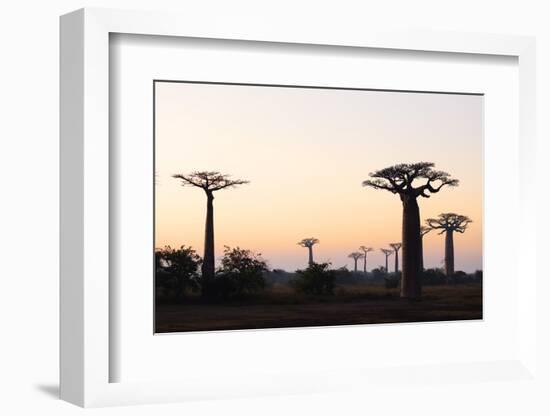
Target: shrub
x,y
176,271
317,279
344,276
392,280
378,273
432,277
241,273
277,276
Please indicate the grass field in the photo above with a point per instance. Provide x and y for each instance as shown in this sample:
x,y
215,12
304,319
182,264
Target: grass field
x,y
280,307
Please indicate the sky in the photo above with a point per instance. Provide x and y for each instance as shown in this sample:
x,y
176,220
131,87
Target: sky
x,y
306,152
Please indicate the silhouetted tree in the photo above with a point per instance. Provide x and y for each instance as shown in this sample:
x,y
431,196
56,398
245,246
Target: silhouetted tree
x,y
387,253
396,247
176,270
309,243
401,179
449,223
355,256
241,273
209,182
365,250
423,231
317,279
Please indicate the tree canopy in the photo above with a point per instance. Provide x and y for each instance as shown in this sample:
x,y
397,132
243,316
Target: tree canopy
x,y
399,179
366,249
424,230
308,242
396,246
356,255
449,221
209,181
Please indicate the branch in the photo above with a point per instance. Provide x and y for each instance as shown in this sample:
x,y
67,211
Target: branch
x,y
229,184
424,230
380,184
434,176
210,181
189,180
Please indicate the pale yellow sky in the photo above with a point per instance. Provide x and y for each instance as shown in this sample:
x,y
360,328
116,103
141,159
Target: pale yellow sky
x,y
305,153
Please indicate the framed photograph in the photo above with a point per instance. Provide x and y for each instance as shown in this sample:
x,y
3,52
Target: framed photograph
x,y
266,211
308,147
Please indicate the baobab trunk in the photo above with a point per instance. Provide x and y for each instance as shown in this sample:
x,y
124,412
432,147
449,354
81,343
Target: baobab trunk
x,y
421,253
365,264
449,255
410,278
355,267
310,248
208,267
396,261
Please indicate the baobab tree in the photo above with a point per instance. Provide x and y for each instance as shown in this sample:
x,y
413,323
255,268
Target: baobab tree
x,y
209,182
403,180
449,223
365,250
423,231
309,243
396,247
387,252
355,256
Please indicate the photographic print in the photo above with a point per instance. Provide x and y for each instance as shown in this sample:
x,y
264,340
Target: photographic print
x,y
289,206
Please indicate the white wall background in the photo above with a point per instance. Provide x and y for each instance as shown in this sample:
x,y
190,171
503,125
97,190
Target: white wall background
x,y
29,206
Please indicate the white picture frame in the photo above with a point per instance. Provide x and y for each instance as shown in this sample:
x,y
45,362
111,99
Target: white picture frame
x,y
85,223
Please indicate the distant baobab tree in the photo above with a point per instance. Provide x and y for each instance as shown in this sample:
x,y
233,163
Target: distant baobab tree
x,y
423,231
209,182
449,223
309,243
396,247
400,179
387,252
355,256
365,250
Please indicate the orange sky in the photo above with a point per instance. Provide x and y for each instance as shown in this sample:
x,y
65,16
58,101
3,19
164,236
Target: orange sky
x,y
306,152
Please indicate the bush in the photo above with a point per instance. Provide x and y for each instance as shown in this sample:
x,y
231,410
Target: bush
x,y
346,277
379,273
463,277
241,273
392,280
317,279
432,277
176,271
277,276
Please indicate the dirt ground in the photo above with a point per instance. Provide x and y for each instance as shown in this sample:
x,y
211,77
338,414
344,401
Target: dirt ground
x,y
349,306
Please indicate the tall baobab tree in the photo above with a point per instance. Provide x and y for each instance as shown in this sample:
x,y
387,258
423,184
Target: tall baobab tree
x,y
403,180
449,223
396,247
365,250
387,252
209,182
423,231
355,256
309,243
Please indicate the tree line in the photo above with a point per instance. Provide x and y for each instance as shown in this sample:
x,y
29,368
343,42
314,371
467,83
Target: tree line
x,y
397,179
